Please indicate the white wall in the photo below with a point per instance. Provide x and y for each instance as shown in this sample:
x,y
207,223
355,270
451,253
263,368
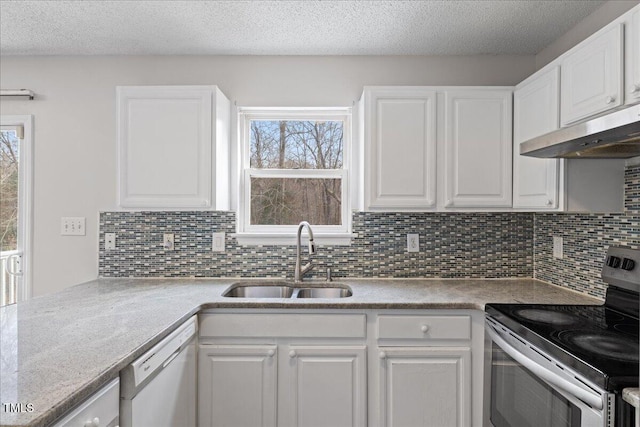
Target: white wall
x,y
592,23
75,135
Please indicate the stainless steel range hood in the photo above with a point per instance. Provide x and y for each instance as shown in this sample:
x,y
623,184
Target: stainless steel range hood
x,y
614,136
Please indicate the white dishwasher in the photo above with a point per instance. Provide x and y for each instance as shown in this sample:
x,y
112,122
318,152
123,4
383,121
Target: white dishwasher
x,y
159,388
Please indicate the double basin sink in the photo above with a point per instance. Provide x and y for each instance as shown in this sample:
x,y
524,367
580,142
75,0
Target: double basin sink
x,y
287,290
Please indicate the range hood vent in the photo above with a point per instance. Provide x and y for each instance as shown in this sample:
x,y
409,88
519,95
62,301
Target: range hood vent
x,y
614,136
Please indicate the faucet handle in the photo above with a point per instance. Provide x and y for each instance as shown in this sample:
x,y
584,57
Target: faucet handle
x,y
329,279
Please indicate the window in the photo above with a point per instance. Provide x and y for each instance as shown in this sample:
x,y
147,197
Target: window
x,y
294,168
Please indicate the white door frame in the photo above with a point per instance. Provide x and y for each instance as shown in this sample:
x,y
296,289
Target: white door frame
x,y
25,201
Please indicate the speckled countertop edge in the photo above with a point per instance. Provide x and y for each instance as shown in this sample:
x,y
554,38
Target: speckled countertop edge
x,y
132,315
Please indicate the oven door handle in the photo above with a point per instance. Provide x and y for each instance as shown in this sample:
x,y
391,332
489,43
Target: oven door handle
x,y
594,400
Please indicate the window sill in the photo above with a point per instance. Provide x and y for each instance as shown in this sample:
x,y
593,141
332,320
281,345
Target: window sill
x,y
289,239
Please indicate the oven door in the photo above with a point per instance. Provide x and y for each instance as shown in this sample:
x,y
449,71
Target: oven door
x,y
527,392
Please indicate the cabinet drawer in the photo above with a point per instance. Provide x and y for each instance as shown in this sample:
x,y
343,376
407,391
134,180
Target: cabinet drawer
x,y
283,325
424,327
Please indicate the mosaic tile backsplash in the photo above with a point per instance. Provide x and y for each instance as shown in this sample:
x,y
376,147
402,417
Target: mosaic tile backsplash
x,y
586,238
474,245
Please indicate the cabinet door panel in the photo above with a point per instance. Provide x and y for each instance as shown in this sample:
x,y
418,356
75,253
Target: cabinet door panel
x,y
328,386
592,77
477,140
535,112
632,58
165,146
425,386
402,152
237,385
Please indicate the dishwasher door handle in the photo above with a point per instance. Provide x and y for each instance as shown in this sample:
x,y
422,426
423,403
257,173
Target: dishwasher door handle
x,y
170,359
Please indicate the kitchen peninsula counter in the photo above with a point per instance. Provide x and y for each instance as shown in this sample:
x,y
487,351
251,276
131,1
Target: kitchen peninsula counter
x,y
57,349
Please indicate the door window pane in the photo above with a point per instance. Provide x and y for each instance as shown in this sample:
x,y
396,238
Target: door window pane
x,y
9,196
9,181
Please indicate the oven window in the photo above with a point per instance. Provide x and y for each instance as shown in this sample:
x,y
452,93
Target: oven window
x,y
519,399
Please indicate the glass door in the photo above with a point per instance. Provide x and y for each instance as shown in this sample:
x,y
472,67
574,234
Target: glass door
x,y
14,207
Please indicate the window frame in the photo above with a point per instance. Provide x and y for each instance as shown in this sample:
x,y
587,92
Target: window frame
x,y
248,233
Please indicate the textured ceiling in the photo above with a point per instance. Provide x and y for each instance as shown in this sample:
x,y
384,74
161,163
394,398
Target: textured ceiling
x,y
307,27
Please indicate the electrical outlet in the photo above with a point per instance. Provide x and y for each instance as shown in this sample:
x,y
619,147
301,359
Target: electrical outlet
x,y
109,241
168,242
73,226
217,243
413,243
557,247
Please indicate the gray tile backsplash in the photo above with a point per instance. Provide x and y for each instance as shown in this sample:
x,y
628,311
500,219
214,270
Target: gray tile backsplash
x,y
586,239
474,245
452,245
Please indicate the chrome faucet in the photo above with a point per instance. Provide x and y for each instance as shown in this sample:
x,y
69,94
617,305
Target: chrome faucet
x,y
300,271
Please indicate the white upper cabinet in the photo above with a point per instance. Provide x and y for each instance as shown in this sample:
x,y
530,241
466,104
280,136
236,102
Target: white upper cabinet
x,y
477,148
173,147
592,76
400,148
632,57
535,113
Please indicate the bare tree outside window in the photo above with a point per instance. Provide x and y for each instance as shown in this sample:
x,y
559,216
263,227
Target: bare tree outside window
x,y
296,145
9,179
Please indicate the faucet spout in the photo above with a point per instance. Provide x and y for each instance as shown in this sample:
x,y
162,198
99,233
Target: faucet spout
x,y
301,271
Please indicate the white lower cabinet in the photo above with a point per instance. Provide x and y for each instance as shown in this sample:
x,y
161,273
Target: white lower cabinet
x,y
325,386
266,368
425,386
342,368
300,385
101,409
237,385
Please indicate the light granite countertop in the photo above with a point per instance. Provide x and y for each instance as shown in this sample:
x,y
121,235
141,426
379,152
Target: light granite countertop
x,y
58,349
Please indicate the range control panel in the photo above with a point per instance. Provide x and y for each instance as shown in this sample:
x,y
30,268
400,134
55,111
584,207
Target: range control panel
x,y
622,267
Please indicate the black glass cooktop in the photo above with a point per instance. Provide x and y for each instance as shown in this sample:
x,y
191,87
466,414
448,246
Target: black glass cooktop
x,y
597,341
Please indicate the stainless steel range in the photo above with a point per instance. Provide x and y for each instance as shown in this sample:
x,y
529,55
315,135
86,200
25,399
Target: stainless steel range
x,y
566,365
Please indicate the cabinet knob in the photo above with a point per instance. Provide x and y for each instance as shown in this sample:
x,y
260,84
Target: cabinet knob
x,y
635,88
610,99
382,355
424,328
271,353
292,354
549,202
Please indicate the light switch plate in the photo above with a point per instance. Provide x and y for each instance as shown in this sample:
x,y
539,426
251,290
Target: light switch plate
x,y
73,226
217,242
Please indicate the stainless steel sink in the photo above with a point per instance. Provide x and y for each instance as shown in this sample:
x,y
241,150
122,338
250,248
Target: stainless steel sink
x,y
259,290
281,289
332,292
